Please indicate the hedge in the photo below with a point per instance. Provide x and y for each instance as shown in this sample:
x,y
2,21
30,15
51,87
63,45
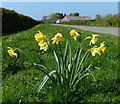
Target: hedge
x,y
13,22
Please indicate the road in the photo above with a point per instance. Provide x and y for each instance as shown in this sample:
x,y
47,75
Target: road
x,y
105,30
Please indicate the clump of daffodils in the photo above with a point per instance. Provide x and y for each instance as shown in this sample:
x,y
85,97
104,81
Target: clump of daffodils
x,y
71,69
67,71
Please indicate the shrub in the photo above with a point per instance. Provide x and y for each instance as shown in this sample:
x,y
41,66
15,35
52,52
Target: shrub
x,y
78,22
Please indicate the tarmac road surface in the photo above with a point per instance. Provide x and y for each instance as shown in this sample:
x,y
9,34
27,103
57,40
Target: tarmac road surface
x,y
105,30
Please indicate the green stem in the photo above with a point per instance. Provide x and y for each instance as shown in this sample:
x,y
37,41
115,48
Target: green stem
x,y
63,73
84,57
60,51
82,42
62,59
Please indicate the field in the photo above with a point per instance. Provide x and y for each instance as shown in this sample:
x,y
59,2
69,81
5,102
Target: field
x,y
20,79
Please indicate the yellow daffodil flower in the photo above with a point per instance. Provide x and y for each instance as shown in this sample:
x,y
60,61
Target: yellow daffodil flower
x,y
94,39
94,35
40,37
58,37
95,50
102,48
75,34
48,42
43,46
102,44
12,53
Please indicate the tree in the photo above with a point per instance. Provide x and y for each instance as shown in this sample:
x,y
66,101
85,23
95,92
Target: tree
x,y
54,16
64,15
111,20
100,20
44,18
61,15
108,20
74,14
98,17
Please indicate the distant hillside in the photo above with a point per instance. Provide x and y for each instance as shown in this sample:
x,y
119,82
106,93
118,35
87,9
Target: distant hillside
x,y
13,22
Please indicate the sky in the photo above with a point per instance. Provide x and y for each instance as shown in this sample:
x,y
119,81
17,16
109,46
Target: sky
x,y
37,10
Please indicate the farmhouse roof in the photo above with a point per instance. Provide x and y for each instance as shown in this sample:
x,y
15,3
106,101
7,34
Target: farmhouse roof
x,y
78,18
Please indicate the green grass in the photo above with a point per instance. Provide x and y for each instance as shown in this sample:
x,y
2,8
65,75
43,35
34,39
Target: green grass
x,y
20,79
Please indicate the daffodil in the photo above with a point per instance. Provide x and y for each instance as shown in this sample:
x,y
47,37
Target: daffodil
x,y
43,46
75,34
95,50
58,37
94,39
102,44
40,37
11,52
102,48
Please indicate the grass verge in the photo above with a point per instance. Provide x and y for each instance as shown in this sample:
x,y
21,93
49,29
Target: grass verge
x,y
20,79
